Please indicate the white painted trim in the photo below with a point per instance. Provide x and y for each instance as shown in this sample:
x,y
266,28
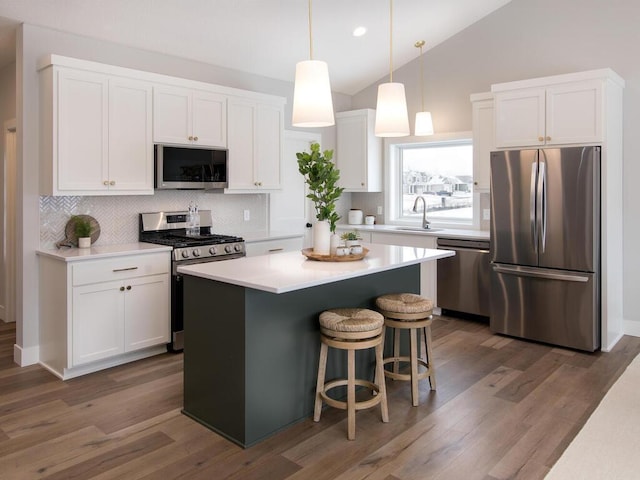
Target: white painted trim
x,y
26,356
632,328
603,73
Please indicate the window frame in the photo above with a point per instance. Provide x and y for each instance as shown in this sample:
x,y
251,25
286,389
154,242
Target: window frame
x,y
393,175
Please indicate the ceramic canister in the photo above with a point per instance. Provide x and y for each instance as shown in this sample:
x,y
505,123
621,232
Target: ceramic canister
x,y
355,217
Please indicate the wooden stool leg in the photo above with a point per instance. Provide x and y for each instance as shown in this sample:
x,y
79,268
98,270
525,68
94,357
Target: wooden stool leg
x,y
415,397
384,410
351,394
396,349
428,348
322,370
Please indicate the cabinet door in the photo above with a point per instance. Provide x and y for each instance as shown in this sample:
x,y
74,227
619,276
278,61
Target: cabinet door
x,y
574,113
171,115
351,152
269,135
130,136
520,118
82,124
209,119
146,312
97,322
483,138
241,128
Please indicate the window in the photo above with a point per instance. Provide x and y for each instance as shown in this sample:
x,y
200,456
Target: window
x,y
441,172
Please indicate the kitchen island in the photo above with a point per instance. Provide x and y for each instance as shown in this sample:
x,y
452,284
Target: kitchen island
x,y
252,336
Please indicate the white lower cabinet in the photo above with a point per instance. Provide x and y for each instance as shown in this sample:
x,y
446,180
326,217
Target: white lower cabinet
x,y
116,310
428,270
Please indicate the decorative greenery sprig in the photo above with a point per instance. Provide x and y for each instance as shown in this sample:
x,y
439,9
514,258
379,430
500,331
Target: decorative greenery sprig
x,y
349,236
82,227
321,177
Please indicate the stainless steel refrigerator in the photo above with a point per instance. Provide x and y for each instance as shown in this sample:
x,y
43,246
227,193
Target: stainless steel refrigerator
x,y
545,245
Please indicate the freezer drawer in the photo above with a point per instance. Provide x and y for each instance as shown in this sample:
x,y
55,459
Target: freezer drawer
x,y
551,306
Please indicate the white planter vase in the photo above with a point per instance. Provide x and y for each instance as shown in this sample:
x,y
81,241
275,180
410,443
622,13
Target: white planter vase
x,y
321,238
334,242
84,242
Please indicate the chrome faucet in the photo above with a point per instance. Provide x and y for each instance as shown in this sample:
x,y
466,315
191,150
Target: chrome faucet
x,y
425,223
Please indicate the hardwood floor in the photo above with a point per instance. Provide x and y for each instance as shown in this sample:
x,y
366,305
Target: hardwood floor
x,y
504,408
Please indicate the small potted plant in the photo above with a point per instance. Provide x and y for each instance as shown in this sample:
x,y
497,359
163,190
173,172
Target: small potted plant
x,y
321,176
350,238
83,230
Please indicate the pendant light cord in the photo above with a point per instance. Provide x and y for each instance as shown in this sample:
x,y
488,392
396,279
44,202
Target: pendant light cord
x,y
310,34
419,44
390,41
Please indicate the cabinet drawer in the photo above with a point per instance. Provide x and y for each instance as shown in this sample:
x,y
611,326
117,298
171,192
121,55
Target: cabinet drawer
x,y
119,268
273,246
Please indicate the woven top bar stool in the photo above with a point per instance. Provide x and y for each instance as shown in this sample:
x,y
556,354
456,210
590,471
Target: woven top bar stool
x,y
351,329
408,311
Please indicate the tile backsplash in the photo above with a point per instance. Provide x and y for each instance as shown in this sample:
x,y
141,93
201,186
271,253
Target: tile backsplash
x,y
118,215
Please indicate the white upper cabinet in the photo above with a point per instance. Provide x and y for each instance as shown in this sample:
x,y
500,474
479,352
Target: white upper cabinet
x,y
95,134
483,138
358,153
561,112
255,133
183,116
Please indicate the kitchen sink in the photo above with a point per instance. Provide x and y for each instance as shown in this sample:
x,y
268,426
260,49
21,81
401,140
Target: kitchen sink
x,y
418,229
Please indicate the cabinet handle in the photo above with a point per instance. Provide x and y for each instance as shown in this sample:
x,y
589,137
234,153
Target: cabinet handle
x,y
190,137
195,138
271,250
106,183
541,139
124,269
362,184
122,289
128,287
548,139
112,182
475,183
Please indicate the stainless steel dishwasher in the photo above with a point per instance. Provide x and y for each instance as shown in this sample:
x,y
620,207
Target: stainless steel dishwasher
x,y
463,280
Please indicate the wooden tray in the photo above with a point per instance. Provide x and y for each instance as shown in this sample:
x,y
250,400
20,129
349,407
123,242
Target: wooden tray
x,y
308,252
70,233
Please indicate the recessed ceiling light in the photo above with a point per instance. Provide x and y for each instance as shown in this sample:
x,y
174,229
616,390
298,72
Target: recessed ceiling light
x,y
359,31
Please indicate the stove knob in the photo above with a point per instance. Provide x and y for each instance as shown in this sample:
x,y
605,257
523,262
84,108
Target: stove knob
x,y
185,254
237,247
196,252
213,250
228,248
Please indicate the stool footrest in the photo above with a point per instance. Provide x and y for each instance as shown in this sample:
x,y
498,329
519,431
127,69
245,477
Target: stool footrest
x,y
361,405
406,376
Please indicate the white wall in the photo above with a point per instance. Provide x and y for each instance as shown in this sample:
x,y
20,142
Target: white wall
x,y
33,43
535,38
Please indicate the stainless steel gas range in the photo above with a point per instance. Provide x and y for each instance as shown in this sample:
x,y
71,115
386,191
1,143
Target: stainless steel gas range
x,y
170,228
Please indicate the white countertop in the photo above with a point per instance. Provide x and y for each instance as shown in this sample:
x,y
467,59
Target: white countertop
x,y
289,271
264,235
466,234
66,254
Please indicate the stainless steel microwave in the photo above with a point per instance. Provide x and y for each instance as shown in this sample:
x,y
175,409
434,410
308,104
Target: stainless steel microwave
x,y
190,168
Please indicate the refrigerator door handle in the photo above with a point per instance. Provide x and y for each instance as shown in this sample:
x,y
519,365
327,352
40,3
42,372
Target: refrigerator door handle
x,y
541,213
537,273
532,206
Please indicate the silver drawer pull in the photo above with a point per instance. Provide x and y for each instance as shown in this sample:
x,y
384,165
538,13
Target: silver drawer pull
x,y
275,250
125,269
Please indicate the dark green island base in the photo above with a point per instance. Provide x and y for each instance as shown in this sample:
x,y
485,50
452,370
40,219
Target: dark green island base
x,y
251,357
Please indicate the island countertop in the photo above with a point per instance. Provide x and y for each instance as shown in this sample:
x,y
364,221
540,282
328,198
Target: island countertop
x,y
290,271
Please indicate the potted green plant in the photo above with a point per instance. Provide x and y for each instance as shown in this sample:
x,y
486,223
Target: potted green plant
x,y
350,238
321,176
83,230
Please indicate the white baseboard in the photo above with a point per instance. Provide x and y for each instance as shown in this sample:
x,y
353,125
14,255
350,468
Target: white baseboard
x,y
26,356
632,327
3,313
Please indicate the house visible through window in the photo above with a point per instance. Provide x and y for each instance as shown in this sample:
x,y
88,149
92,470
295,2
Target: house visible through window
x,y
442,173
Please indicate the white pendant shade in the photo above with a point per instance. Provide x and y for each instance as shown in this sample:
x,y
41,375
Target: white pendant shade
x,y
424,124
312,102
392,118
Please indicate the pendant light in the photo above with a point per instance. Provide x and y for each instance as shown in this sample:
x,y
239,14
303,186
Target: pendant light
x,y
312,102
392,119
424,123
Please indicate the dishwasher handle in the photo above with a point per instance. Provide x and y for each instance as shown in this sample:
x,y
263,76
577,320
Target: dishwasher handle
x,y
458,244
